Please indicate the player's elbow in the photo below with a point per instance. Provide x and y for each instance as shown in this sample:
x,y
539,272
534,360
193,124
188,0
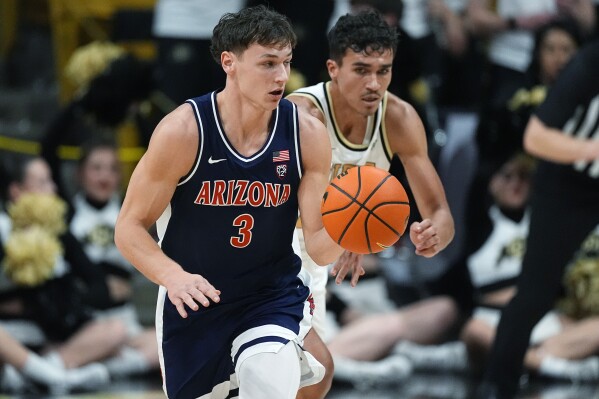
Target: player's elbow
x,y
120,235
533,136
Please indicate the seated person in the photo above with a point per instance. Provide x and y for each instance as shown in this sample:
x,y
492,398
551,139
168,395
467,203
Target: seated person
x,y
560,344
21,367
54,307
95,209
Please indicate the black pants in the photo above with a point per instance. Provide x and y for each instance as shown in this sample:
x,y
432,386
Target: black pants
x,y
559,223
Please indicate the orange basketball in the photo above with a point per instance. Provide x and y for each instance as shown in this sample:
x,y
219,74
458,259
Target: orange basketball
x,y
365,209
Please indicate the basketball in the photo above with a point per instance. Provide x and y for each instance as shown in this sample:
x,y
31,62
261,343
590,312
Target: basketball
x,y
365,209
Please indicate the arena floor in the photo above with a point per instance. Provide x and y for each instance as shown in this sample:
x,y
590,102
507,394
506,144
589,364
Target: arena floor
x,y
418,386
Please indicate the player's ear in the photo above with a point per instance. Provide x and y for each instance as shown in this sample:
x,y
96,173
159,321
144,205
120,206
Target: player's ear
x,y
332,68
227,59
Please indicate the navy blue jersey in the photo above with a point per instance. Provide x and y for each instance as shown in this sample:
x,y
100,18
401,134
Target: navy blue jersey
x,y
232,218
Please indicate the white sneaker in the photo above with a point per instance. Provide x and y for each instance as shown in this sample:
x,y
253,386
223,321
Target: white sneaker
x,y
451,356
11,380
435,385
89,377
576,370
391,369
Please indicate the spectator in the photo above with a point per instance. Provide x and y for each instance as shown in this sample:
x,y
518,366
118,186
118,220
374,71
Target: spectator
x,y
184,30
55,306
95,210
113,87
560,345
500,132
20,368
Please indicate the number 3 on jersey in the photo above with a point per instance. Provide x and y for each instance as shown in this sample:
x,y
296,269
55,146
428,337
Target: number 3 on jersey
x,y
245,222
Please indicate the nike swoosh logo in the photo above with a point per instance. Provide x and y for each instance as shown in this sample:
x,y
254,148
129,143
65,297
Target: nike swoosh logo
x,y
211,161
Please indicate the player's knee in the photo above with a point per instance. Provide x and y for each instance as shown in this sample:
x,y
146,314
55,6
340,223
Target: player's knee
x,y
270,375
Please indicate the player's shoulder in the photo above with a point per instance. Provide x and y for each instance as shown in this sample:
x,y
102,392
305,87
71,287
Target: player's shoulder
x,y
308,99
178,124
399,108
399,113
308,123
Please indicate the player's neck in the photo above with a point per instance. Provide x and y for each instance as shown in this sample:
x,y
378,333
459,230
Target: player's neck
x,y
245,125
349,122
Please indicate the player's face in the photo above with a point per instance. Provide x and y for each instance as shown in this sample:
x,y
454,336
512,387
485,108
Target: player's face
x,y
556,50
262,72
362,79
100,174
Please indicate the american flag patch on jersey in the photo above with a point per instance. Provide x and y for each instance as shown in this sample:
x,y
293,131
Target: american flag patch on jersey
x,y
280,156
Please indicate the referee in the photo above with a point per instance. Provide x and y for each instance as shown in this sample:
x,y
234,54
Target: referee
x,y
564,134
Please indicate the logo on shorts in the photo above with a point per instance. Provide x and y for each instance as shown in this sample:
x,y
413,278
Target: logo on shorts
x,y
312,304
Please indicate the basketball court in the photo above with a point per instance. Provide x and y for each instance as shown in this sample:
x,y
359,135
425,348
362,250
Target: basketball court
x,y
418,386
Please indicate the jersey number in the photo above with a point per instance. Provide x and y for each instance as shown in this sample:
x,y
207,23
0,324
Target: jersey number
x,y
245,223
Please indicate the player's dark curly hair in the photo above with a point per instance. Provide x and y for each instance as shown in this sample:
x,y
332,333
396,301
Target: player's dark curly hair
x,y
366,32
237,31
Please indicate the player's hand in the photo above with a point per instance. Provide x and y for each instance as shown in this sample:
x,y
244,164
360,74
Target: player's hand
x,y
190,289
346,262
424,237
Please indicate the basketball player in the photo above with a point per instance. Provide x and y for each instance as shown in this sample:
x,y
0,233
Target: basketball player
x,y
228,171
368,126
562,132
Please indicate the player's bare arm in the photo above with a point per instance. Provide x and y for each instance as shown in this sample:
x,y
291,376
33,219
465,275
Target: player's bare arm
x,y
407,139
551,144
348,261
170,156
316,159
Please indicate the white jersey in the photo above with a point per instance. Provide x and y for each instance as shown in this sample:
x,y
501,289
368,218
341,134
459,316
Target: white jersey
x,y
498,262
374,150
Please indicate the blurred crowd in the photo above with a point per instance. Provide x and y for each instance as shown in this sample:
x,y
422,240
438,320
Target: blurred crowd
x,y
475,70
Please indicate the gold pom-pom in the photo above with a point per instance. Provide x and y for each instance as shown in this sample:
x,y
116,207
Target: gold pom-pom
x,y
581,282
44,210
91,60
31,255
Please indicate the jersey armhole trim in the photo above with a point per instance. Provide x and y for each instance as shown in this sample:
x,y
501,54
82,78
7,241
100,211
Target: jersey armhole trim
x,y
296,138
383,131
196,113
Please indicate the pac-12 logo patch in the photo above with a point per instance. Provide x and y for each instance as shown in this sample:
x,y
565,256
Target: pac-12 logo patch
x,y
312,304
281,170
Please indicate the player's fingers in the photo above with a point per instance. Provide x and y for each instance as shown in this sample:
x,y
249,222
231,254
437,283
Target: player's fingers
x,y
199,297
335,269
359,271
428,252
428,242
188,299
341,275
208,290
181,309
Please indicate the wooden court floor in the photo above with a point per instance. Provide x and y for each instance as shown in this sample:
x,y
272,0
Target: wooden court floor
x,y
417,386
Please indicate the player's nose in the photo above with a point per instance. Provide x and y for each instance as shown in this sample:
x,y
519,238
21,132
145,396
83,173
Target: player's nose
x,y
373,82
282,75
